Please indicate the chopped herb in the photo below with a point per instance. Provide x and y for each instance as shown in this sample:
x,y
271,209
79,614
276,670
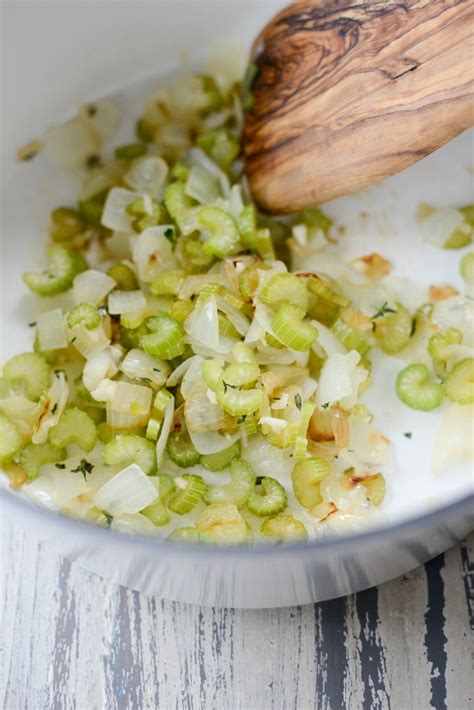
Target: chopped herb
x,y
232,387
413,328
408,434
91,110
242,419
146,380
73,340
60,465
383,310
93,161
156,369
84,467
259,480
169,235
325,405
54,409
109,519
32,324
298,401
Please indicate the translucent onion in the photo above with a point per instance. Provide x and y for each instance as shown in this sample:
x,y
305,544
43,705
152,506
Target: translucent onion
x,y
148,175
89,342
454,439
202,186
202,325
180,371
165,431
238,320
126,302
137,524
92,287
198,157
115,215
137,364
338,379
52,332
153,253
129,491
203,415
98,367
210,442
70,144
52,405
129,407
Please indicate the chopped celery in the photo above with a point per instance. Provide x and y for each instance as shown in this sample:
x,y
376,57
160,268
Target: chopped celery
x,y
65,265
211,371
156,512
181,450
285,288
10,439
438,348
188,497
466,268
66,224
166,338
91,209
168,283
291,330
129,448
83,315
222,230
28,370
248,280
321,288
74,427
180,310
178,203
222,459
393,331
130,152
270,500
196,259
459,384
238,490
186,534
416,389
284,528
34,456
123,276
350,338
306,477
221,524
301,442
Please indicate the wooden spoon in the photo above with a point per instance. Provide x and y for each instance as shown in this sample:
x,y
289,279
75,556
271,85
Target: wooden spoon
x,y
348,92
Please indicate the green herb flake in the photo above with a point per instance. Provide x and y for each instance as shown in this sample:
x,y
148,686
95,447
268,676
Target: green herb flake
x,y
383,310
408,434
60,465
84,467
298,401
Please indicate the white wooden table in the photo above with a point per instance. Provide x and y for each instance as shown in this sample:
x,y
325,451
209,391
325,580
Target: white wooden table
x,y
72,640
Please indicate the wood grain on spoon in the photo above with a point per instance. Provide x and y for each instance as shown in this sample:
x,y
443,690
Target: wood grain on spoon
x,y
349,92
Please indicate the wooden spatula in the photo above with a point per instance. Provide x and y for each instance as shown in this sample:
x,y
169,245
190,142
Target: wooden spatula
x,y
348,92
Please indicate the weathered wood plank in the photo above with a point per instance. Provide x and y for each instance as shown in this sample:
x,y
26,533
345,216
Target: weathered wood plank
x,y
71,640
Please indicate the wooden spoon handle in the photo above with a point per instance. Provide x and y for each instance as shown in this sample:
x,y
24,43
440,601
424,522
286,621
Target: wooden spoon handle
x,y
349,92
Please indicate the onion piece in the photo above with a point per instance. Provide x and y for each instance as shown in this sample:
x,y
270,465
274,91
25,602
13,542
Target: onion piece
x,y
137,524
340,379
137,364
70,144
202,325
115,215
454,439
52,405
129,491
148,175
126,301
153,253
210,442
180,371
165,431
52,332
129,406
100,366
92,287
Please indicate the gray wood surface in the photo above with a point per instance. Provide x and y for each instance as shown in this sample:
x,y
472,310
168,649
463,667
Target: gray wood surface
x,y
72,640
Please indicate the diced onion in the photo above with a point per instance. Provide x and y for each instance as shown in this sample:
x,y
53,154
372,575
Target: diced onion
x,y
92,287
129,407
202,186
51,408
52,332
454,439
148,175
70,144
137,364
115,215
129,491
210,442
152,253
97,368
339,379
126,302
202,325
165,431
137,524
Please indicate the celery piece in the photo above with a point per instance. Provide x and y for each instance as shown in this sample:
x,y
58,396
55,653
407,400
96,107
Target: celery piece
x,y
186,534
188,497
222,230
238,490
124,277
10,439
438,348
130,151
181,450
321,287
221,524
30,371
416,389
270,501
222,459
83,315
66,224
130,448
459,384
74,427
166,338
284,528
285,288
168,283
34,456
291,330
64,266
178,203
394,330
306,477
91,209
350,338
